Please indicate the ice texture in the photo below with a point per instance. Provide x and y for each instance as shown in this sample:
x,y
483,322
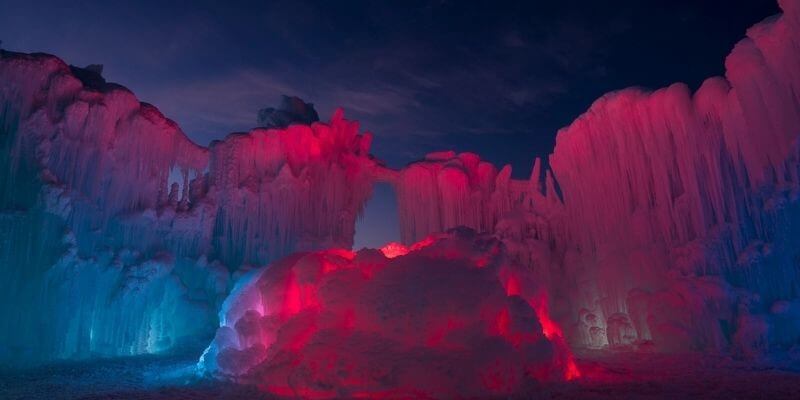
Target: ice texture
x,y
118,235
666,218
682,207
450,316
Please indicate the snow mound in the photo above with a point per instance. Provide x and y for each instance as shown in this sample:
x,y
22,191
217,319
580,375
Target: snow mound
x,y
449,316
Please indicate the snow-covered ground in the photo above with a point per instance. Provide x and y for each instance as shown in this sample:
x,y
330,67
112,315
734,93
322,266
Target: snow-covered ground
x,y
611,375
607,375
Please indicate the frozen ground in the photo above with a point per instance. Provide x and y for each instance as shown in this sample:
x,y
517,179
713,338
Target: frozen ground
x,y
606,376
138,377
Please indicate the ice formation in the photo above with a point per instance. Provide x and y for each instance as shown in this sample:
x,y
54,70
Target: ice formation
x,y
112,222
665,219
696,239
450,316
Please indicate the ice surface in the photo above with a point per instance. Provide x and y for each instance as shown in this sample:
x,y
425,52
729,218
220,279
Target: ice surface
x,y
682,207
118,235
280,191
667,219
447,190
447,316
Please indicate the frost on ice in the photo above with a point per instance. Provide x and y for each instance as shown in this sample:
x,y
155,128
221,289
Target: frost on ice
x,y
664,220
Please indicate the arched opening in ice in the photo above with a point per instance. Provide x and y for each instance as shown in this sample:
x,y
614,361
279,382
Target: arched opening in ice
x,y
379,224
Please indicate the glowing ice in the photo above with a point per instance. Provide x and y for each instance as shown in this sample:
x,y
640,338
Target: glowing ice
x,y
119,236
450,317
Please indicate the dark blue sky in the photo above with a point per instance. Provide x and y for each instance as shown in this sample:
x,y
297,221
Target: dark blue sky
x,y
497,78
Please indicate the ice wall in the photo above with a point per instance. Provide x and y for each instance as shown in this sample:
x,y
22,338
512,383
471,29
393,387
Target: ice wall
x,y
80,164
674,218
682,206
118,235
281,191
446,190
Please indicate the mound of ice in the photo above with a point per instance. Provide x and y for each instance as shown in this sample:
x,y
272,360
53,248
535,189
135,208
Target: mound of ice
x,y
447,316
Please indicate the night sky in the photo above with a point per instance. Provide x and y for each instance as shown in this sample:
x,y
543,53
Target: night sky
x,y
496,78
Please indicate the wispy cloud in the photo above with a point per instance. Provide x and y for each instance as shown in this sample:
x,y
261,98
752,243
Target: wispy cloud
x,y
211,106
228,99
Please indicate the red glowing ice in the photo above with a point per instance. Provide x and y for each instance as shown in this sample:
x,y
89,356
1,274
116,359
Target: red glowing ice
x,y
449,315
